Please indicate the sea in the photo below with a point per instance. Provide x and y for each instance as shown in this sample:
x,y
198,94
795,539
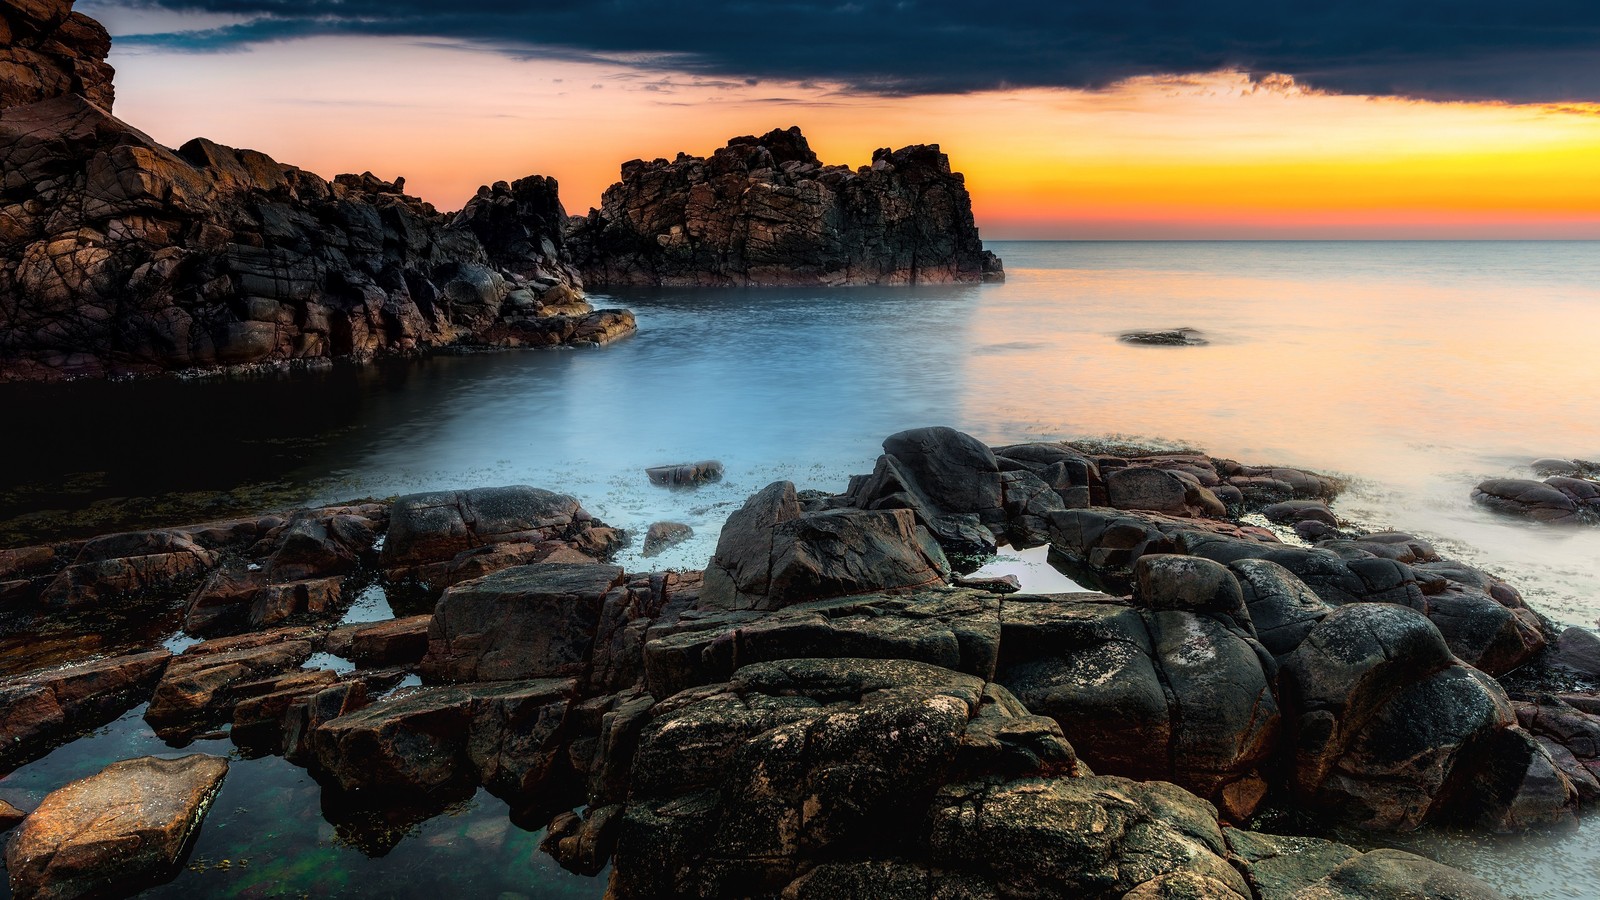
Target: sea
x,y
1413,369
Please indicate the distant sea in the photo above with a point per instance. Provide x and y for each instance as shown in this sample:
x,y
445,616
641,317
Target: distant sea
x,y
1415,369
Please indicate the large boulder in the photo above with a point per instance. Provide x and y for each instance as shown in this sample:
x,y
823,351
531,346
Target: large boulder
x,y
439,538
1164,694
1161,490
113,832
772,554
1383,720
535,621
739,787
1557,500
764,210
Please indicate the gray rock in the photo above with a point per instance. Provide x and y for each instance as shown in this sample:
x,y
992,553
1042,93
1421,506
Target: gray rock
x,y
535,621
1177,337
665,535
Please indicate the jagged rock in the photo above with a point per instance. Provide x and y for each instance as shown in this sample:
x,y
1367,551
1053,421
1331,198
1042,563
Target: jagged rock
x,y
766,211
232,601
535,621
444,537
771,554
117,569
41,709
1303,868
952,482
1160,490
115,832
119,255
10,817
47,50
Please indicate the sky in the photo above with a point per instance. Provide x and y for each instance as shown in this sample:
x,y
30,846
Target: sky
x,y
1141,119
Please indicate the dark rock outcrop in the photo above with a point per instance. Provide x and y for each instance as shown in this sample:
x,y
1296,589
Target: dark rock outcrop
x,y
772,554
1559,499
764,211
119,255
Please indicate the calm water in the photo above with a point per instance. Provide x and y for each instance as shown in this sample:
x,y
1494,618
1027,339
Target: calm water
x,y
1418,369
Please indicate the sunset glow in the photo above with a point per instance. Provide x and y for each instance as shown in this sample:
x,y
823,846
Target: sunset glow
x,y
1219,156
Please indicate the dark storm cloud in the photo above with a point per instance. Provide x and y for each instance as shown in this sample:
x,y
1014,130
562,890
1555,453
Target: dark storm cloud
x,y
1538,50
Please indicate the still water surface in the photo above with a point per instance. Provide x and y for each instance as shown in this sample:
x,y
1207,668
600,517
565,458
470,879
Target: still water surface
x,y
1417,369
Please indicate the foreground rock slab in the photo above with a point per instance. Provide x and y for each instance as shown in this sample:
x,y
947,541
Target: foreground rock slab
x,y
112,833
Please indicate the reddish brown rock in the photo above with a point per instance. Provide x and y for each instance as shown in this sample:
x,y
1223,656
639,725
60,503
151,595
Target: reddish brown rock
x,y
199,686
392,643
43,708
113,832
118,569
47,50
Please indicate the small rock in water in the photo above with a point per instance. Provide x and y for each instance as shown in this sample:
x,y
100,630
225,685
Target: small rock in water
x,y
1579,648
685,474
1177,337
1551,466
115,831
663,535
994,584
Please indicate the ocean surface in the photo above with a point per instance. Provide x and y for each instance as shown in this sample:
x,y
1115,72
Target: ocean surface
x,y
1414,369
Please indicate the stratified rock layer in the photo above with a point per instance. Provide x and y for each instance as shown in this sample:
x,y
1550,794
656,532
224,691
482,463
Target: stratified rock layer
x,y
766,211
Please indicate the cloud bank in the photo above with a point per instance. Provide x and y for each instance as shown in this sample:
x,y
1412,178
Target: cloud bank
x,y
1532,51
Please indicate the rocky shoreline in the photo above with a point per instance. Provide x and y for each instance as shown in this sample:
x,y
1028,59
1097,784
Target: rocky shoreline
x,y
829,709
119,256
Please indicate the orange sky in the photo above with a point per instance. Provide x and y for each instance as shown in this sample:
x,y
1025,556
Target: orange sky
x,y
1210,157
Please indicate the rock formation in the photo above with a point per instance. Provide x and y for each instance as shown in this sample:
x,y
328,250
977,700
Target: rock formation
x,y
119,255
766,211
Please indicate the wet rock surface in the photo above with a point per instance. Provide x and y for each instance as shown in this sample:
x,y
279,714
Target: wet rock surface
x,y
764,211
823,713
113,833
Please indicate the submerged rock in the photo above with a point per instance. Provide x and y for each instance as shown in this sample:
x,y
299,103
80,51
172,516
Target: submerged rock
x,y
1557,500
1177,337
685,475
764,211
115,832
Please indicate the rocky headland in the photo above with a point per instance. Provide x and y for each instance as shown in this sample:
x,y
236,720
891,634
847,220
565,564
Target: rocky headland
x,y
121,256
765,211
828,709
